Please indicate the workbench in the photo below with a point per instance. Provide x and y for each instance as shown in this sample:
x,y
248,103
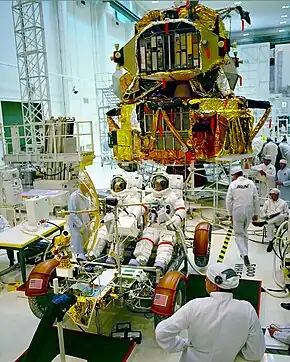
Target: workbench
x,y
15,239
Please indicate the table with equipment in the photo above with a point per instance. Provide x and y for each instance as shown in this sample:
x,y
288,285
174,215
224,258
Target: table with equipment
x,y
16,239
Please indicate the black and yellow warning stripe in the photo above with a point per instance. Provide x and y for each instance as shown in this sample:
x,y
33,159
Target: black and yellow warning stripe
x,y
225,245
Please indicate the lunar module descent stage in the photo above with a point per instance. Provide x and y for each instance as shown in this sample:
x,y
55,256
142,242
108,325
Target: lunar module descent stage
x,y
176,80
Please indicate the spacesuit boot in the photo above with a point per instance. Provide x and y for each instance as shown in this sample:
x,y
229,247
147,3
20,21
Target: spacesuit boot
x,y
100,243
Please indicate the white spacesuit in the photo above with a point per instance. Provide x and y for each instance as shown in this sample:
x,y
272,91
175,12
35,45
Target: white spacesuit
x,y
163,219
128,218
266,174
277,208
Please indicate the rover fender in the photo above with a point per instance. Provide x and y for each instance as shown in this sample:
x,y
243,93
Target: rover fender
x,y
201,245
37,283
165,292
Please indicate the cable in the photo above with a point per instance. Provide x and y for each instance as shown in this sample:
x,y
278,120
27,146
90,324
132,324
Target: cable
x,y
51,223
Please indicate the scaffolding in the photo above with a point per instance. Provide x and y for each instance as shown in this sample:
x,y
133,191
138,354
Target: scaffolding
x,y
106,101
32,69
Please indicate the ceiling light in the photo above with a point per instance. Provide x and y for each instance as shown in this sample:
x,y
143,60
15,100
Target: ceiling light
x,y
284,16
247,34
281,30
285,7
283,22
155,2
237,3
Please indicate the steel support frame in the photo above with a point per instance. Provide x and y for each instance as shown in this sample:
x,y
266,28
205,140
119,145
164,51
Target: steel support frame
x,y
33,70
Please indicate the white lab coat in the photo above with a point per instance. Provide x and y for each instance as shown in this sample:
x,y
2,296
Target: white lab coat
x,y
242,203
285,151
78,223
272,207
104,235
219,327
284,176
267,182
171,210
4,226
271,149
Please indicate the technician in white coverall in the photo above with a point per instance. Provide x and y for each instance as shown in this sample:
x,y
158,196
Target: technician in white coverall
x,y
4,226
283,180
285,150
266,174
281,333
275,210
219,327
163,220
242,204
79,224
120,188
271,149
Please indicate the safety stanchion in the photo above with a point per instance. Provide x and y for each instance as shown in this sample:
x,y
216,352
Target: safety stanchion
x,y
224,248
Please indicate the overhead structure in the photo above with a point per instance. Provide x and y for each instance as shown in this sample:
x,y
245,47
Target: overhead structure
x,y
177,89
33,70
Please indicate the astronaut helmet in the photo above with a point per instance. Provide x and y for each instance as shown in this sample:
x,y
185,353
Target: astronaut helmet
x,y
118,185
160,183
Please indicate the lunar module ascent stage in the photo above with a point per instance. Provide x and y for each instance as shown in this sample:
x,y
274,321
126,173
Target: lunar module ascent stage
x,y
176,80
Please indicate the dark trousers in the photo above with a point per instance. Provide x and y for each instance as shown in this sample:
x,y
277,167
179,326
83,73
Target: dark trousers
x,y
10,254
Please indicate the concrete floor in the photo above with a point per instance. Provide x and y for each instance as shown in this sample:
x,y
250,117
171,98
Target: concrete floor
x,y
18,323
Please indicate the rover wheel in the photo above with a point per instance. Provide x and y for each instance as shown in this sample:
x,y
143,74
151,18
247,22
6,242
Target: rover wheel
x,y
39,304
179,301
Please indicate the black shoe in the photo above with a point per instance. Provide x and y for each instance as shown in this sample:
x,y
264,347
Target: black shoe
x,y
246,260
270,247
285,306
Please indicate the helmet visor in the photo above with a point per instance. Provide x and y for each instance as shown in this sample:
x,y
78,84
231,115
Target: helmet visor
x,y
118,184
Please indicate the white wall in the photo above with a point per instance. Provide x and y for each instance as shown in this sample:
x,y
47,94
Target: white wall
x,y
9,82
79,43
255,71
282,74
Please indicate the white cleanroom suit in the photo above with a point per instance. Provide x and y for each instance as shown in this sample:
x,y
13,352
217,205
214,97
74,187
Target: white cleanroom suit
x,y
163,220
242,203
271,149
283,181
285,151
272,207
121,189
79,224
219,327
4,226
283,334
266,174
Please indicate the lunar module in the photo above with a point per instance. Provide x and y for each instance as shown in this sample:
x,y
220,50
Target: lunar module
x,y
176,81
